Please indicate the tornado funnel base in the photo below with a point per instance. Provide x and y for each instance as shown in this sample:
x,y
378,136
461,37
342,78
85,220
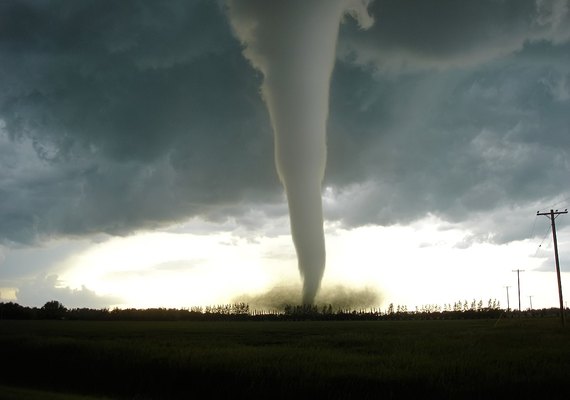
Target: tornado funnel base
x,y
310,291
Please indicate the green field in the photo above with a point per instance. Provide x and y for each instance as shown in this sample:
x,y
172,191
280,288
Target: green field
x,y
518,358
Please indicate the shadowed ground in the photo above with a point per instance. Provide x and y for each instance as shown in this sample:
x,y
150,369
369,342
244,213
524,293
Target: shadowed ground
x,y
335,359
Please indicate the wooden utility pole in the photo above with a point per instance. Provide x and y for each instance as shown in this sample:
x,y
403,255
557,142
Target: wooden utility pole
x,y
508,304
518,271
552,215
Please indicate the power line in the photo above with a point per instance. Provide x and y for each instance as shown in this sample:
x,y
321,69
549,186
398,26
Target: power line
x,y
542,241
552,215
560,202
533,227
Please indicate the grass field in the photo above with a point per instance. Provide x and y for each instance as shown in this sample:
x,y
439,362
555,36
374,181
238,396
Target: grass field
x,y
517,358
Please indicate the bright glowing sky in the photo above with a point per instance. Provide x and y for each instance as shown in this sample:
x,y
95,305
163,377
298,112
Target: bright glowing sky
x,y
136,155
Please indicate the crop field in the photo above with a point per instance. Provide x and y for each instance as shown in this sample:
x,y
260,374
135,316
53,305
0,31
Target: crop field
x,y
516,358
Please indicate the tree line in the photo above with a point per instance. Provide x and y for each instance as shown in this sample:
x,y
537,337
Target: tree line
x,y
54,310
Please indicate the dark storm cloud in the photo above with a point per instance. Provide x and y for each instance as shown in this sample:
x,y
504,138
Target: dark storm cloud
x,y
139,113
117,116
453,143
455,108
414,34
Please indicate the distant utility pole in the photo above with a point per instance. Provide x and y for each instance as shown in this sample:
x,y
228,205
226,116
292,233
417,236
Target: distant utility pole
x,y
518,271
530,298
508,304
552,215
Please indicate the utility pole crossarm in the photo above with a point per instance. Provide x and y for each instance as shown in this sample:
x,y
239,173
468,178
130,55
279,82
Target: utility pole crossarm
x,y
552,212
552,216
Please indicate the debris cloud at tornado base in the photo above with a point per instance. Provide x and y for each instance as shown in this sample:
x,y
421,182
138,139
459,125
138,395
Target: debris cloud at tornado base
x,y
339,297
293,44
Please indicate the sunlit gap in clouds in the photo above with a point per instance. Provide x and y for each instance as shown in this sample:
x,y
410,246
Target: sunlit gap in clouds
x,y
423,263
165,269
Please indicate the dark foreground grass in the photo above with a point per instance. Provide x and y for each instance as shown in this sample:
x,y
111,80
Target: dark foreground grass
x,y
16,393
326,359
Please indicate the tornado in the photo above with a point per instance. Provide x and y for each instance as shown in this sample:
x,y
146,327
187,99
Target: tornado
x,y
293,44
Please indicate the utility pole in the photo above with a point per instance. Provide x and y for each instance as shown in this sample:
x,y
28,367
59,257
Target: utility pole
x,y
552,215
530,298
518,271
508,304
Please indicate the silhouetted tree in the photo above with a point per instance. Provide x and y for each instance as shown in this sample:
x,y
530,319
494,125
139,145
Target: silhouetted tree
x,y
15,311
53,310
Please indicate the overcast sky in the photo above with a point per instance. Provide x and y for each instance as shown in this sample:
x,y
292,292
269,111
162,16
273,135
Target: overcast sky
x,y
122,117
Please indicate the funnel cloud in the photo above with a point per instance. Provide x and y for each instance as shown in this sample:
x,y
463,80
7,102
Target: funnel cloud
x,y
293,43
